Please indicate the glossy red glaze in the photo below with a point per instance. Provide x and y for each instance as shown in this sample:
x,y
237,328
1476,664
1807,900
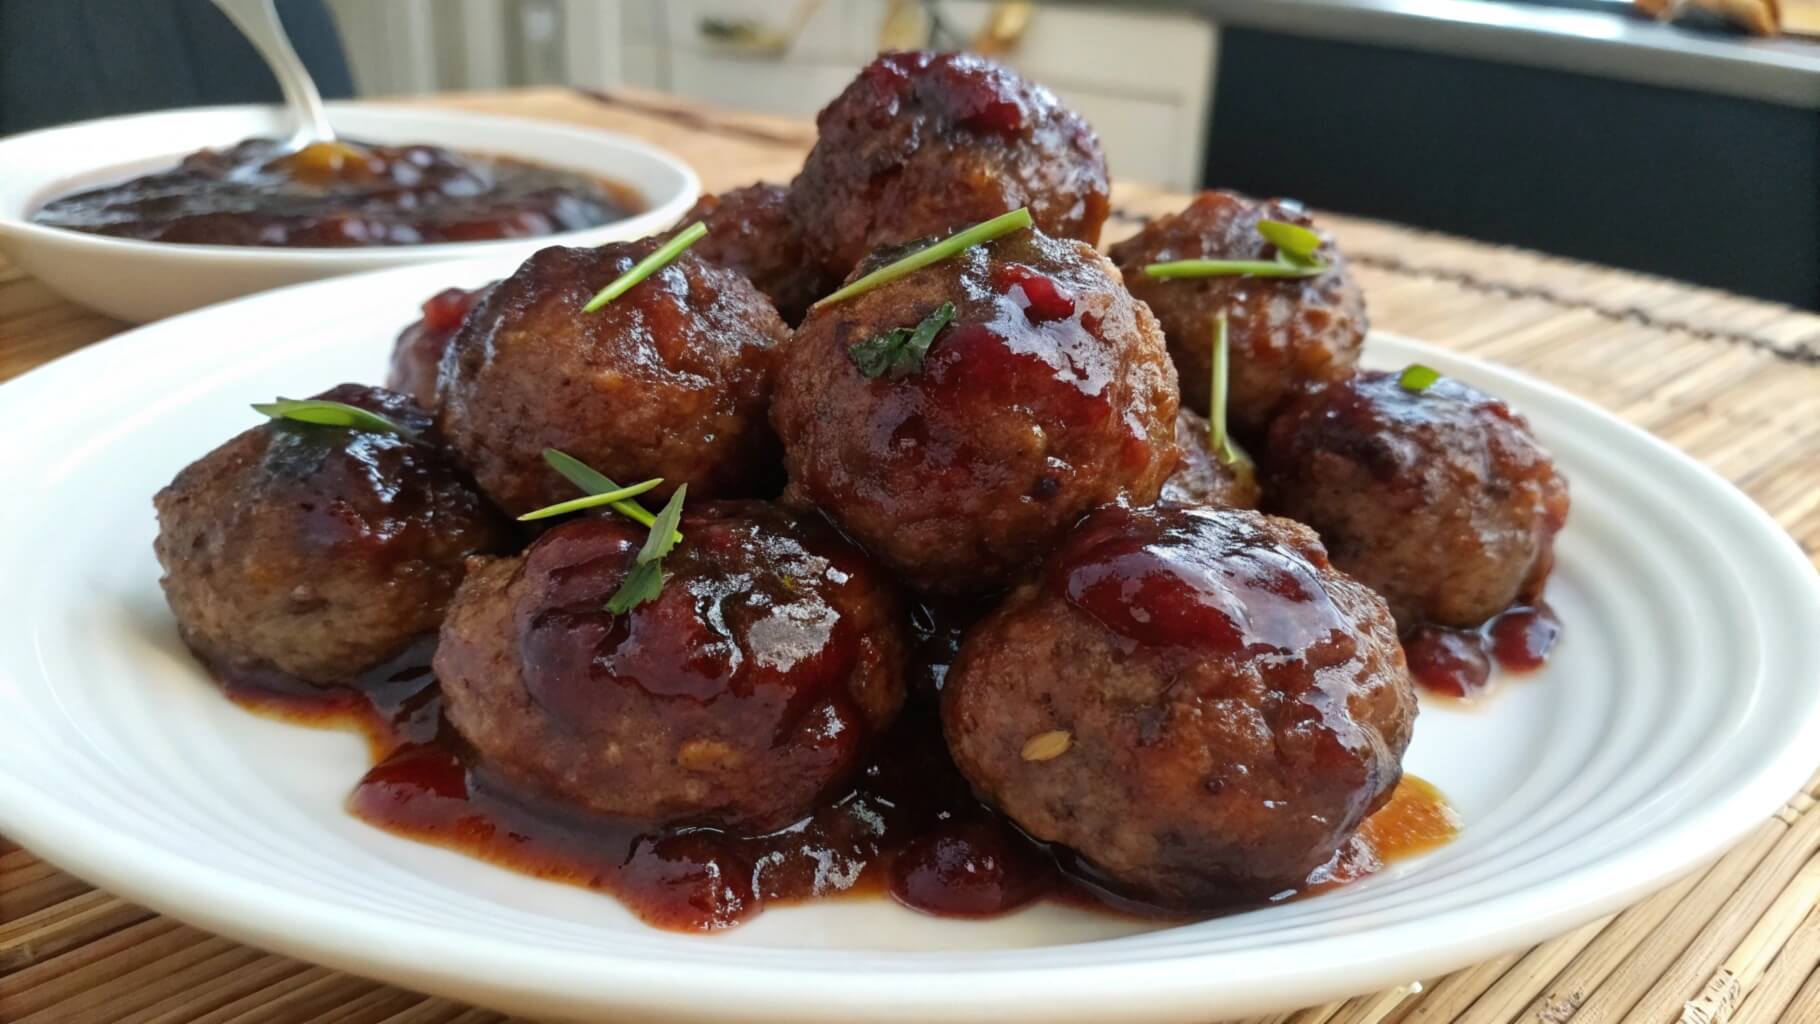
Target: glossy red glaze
x,y
341,195
909,826
1042,298
1458,662
1203,586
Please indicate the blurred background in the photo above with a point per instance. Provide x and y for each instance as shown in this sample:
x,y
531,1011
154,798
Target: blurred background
x,y
1680,137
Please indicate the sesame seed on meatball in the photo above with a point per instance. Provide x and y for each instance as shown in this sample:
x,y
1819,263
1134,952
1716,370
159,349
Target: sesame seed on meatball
x,y
1192,700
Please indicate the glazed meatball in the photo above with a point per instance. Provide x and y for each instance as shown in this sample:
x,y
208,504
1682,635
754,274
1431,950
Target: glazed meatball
x,y
669,380
1281,332
925,143
740,695
750,232
1192,700
417,355
1049,393
1200,478
319,551
1439,499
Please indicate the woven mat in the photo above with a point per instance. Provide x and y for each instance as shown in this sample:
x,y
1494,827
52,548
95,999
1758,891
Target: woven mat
x,y
1734,382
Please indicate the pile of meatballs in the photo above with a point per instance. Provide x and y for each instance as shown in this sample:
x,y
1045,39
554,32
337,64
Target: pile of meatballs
x,y
1198,700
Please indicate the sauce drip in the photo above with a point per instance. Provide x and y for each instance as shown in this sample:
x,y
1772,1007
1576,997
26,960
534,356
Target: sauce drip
x,y
909,828
1458,662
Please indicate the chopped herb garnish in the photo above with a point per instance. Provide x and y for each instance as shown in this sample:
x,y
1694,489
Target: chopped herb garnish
x,y
592,501
1217,438
643,583
1234,268
646,580
900,351
646,267
331,414
1292,240
585,477
1417,377
935,252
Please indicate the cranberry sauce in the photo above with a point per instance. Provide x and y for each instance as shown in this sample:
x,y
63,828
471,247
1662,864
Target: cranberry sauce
x,y
908,827
341,194
1209,584
1458,662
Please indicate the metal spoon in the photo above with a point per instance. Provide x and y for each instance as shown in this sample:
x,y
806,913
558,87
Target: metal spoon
x,y
258,21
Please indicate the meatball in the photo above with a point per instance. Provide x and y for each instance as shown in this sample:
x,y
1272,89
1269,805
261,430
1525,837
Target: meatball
x,y
1050,393
1439,499
1281,332
738,697
417,355
924,143
750,232
669,380
1192,700
319,551
1200,478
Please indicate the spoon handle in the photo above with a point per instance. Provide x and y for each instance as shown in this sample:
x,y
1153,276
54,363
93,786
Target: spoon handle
x,y
258,21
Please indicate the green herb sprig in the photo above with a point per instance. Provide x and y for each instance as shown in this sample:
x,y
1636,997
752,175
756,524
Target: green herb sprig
x,y
1418,378
1217,437
1294,240
900,352
646,580
612,497
935,252
646,267
1295,245
331,414
585,477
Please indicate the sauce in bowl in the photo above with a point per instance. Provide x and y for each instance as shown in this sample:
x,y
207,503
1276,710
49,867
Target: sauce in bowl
x,y
341,195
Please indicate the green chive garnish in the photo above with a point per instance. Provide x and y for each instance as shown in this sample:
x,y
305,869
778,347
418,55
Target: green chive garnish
x,y
646,580
1293,240
1234,268
1417,377
592,501
331,414
646,267
1217,438
985,231
585,477
900,352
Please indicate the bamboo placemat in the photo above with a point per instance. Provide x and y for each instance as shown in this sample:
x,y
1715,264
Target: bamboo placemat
x,y
1734,382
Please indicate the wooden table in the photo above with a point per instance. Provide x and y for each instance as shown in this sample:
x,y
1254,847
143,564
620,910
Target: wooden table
x,y
1733,381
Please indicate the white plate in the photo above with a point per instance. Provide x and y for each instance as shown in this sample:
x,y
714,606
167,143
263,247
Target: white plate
x,y
1680,710
144,281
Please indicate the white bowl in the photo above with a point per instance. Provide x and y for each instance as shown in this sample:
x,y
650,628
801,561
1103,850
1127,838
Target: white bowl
x,y
142,281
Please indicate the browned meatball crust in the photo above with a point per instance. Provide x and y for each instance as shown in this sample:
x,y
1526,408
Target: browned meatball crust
x,y
750,232
1281,332
669,380
319,551
417,355
1200,478
742,694
1440,499
1049,394
924,143
1192,700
